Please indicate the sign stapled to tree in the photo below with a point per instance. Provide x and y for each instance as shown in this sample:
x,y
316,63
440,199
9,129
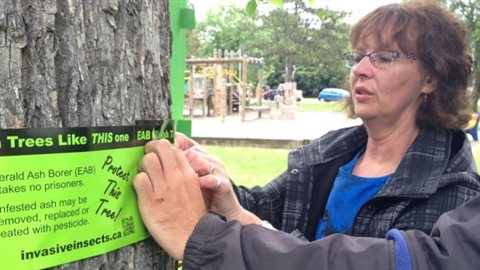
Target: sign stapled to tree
x,y
67,194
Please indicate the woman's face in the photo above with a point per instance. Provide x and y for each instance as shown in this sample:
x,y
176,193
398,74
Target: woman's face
x,y
387,93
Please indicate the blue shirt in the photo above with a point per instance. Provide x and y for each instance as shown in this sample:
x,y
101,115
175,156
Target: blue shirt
x,y
349,193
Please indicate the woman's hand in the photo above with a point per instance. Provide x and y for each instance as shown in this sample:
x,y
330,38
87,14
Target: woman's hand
x,y
214,181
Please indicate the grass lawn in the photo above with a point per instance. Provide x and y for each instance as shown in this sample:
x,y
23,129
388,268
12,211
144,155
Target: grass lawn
x,y
476,155
249,166
313,105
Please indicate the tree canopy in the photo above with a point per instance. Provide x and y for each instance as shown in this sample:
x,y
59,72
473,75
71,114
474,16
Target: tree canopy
x,y
469,10
300,43
296,43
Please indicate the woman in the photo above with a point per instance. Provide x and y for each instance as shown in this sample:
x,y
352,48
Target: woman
x,y
172,208
407,164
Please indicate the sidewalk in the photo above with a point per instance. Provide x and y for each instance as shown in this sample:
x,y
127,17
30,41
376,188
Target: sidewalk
x,y
305,126
272,132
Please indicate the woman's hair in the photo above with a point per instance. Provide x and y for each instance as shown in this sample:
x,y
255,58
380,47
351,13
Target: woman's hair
x,y
440,41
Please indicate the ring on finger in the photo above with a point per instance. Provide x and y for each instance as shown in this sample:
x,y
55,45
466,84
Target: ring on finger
x,y
212,168
219,184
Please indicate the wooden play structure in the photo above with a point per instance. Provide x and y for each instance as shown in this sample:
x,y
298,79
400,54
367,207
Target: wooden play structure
x,y
287,102
219,84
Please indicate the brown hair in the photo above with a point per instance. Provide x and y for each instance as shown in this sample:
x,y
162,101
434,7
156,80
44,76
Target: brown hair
x,y
440,41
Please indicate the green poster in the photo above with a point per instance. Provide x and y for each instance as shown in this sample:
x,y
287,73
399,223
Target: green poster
x,y
67,194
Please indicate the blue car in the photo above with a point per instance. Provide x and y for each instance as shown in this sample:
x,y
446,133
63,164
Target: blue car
x,y
333,94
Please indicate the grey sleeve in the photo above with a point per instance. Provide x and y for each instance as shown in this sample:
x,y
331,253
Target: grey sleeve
x,y
228,245
453,244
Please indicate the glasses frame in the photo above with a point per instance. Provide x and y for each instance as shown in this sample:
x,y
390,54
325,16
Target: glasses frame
x,y
373,57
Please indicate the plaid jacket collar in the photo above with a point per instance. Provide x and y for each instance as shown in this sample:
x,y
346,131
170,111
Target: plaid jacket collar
x,y
419,173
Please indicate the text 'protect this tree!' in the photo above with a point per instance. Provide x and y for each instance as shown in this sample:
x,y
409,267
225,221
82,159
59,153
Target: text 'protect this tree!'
x,y
87,63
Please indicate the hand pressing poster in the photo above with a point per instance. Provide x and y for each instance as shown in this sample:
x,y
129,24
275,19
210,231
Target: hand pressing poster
x,y
67,193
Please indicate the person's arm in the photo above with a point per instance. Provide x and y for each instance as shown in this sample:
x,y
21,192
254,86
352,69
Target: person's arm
x,y
173,210
216,186
215,244
231,200
453,244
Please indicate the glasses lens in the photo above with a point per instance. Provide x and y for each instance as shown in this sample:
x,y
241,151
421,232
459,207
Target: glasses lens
x,y
379,59
353,58
382,58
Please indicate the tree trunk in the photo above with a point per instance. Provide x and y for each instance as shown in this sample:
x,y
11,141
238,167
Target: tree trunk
x,y
476,82
289,68
476,88
69,63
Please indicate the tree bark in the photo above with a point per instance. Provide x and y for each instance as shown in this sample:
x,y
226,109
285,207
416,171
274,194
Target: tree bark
x,y
70,63
476,91
476,86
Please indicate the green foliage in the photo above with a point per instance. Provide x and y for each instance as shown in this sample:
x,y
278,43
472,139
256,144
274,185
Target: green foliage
x,y
278,3
469,10
228,29
295,36
251,7
287,37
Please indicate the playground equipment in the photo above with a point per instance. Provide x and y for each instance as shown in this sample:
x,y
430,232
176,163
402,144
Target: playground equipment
x,y
220,84
287,101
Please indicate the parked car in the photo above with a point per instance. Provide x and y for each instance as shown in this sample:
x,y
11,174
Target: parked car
x,y
333,94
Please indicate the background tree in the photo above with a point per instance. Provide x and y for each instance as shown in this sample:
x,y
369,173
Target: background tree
x,y
87,63
311,40
228,29
297,42
470,12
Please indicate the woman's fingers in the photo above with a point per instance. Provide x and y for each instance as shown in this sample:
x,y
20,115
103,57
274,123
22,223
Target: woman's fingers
x,y
185,167
184,143
200,163
211,182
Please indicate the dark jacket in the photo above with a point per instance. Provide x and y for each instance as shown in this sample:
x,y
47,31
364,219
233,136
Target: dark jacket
x,y
454,243
437,174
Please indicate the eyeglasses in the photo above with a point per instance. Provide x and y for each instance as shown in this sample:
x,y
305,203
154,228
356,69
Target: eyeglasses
x,y
378,59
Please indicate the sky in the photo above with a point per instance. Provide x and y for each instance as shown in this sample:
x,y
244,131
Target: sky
x,y
357,7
